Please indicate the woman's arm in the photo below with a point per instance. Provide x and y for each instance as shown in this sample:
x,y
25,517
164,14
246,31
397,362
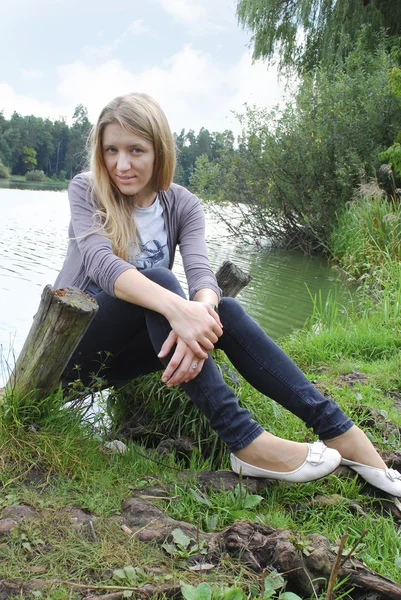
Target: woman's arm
x,y
196,323
101,265
180,368
207,295
191,239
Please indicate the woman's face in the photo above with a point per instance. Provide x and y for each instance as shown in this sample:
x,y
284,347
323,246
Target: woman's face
x,y
129,160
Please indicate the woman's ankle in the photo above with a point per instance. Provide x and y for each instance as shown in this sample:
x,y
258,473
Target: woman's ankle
x,y
273,453
355,445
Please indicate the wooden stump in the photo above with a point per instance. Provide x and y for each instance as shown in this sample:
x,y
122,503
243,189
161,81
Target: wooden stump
x,y
231,279
62,318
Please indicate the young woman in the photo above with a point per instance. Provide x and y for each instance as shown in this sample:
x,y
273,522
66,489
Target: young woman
x,y
127,218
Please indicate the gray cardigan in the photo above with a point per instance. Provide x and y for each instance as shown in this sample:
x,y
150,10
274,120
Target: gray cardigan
x,y
90,259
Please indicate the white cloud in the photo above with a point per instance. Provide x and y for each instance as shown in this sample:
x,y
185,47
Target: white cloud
x,y
183,10
11,101
256,83
92,86
31,73
190,85
186,86
137,27
89,53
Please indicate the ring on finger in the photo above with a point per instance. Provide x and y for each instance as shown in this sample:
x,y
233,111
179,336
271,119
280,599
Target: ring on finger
x,y
194,365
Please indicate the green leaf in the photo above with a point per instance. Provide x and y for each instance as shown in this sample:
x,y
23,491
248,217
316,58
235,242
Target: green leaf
x,y
119,574
242,514
211,521
252,500
170,549
273,581
290,596
234,593
397,561
180,538
200,498
27,546
131,574
128,593
188,591
203,592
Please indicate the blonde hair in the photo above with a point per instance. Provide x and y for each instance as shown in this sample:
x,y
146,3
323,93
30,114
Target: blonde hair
x,y
141,115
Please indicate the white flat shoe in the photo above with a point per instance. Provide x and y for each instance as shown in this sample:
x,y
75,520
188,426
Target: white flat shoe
x,y
320,462
387,480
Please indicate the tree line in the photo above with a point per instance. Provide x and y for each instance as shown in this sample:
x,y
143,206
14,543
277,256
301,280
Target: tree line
x,y
29,143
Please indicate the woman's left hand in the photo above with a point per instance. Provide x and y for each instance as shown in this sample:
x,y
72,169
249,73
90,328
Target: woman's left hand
x,y
184,365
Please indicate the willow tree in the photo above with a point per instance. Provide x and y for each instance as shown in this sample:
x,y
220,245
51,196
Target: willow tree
x,y
307,33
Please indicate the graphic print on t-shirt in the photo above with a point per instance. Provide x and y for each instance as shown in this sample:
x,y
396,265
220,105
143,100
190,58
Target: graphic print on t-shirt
x,y
150,248
151,254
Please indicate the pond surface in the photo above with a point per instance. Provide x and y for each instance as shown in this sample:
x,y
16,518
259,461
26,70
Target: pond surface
x,y
33,241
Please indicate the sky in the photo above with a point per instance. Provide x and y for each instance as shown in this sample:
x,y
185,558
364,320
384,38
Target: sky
x,y
191,55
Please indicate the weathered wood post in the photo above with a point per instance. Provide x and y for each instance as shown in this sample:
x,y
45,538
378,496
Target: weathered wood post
x,y
231,279
62,318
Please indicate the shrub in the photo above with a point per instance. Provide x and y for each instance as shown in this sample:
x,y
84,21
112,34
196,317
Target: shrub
x,y
299,165
4,171
35,175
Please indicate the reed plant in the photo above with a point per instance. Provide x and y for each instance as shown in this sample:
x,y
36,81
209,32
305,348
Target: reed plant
x,y
367,240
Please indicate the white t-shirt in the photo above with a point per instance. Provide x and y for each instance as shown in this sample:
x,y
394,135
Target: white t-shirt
x,y
150,250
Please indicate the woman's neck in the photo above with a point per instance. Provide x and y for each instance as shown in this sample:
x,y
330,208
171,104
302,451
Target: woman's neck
x,y
144,200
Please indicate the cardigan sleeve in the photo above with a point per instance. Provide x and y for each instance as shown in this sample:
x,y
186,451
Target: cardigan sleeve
x,y
191,239
100,263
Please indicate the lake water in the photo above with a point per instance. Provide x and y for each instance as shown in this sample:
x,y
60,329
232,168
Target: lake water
x,y
33,241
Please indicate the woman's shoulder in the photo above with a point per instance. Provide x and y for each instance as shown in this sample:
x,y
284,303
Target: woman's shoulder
x,y
82,180
80,190
180,195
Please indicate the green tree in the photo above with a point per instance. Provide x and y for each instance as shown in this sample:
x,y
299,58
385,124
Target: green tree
x,y
29,158
75,159
307,33
60,138
300,166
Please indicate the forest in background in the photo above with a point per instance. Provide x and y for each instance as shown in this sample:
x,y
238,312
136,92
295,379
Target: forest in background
x,y
33,144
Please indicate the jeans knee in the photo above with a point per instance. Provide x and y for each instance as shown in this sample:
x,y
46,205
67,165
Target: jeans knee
x,y
165,278
230,308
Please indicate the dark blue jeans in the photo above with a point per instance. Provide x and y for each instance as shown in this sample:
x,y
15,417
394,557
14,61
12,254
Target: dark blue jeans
x,y
126,338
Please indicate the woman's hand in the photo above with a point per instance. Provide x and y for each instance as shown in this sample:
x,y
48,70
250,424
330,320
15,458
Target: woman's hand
x,y
181,367
197,324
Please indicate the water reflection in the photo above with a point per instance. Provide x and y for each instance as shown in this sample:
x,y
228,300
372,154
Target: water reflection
x,y
32,185
33,241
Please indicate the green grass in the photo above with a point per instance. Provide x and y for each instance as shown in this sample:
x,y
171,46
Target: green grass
x,y
78,472
367,233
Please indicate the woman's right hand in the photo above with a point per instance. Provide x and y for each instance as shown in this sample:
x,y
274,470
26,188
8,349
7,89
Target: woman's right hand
x,y
197,324
184,365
